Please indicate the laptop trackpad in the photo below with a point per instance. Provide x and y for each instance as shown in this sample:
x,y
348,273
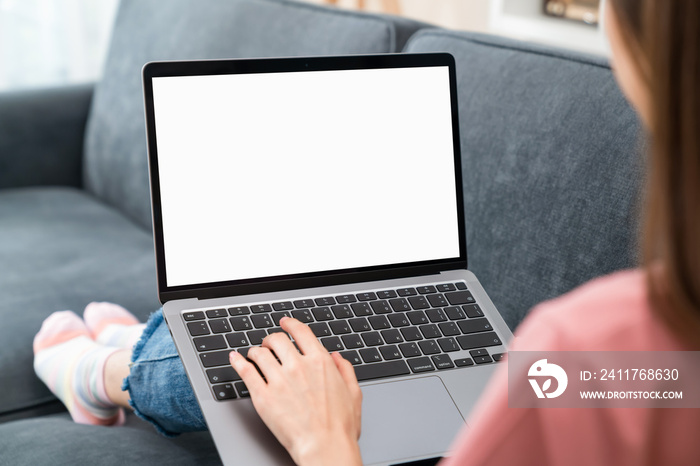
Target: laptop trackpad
x,y
407,419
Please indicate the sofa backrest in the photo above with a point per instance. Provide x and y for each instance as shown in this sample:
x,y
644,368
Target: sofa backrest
x,y
551,165
115,167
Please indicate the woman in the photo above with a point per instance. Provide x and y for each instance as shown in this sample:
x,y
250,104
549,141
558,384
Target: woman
x,y
312,403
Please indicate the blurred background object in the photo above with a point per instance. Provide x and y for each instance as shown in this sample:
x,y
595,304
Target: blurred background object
x,y
585,11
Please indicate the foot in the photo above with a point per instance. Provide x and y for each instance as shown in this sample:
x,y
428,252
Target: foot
x,y
112,325
72,365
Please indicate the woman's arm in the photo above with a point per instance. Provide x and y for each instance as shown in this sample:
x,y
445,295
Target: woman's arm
x,y
310,401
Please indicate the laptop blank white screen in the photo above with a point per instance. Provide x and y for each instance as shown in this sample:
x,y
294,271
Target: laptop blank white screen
x,y
274,174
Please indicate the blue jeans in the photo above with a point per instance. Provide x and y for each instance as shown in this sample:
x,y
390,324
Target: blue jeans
x,y
158,386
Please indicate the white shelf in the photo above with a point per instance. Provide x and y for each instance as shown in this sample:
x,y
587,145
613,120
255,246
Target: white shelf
x,y
525,20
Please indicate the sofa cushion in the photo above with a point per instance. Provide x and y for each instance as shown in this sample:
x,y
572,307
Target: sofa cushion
x,y
59,441
61,249
146,30
551,166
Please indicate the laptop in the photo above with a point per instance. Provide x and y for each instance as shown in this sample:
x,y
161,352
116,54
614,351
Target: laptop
x,y
328,189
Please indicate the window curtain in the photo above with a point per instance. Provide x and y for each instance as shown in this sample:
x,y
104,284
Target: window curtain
x,y
53,42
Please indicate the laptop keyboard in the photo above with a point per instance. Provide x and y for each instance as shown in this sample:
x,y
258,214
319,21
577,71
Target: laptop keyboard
x,y
386,333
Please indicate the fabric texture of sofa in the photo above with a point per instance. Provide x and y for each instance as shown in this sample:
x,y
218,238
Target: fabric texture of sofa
x,y
551,174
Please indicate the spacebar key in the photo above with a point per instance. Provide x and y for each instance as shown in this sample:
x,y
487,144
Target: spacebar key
x,y
383,369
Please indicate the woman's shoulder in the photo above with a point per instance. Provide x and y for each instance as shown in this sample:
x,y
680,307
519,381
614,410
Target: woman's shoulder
x,y
610,313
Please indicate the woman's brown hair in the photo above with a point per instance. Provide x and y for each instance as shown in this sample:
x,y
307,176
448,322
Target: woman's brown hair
x,y
664,37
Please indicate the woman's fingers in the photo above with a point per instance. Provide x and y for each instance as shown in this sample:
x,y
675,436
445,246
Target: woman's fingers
x,y
302,334
265,360
249,374
282,346
346,370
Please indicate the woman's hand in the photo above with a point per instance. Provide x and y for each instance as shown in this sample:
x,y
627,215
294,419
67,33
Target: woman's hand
x,y
311,402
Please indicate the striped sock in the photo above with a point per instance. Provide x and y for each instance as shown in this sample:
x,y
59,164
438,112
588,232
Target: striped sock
x,y
112,325
72,365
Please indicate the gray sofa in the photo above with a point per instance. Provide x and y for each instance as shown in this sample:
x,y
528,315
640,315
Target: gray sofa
x,y
551,174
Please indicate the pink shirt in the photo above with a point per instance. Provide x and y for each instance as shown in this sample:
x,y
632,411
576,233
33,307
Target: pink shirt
x,y
607,314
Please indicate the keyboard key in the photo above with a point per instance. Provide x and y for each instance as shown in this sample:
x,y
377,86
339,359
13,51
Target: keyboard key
x,y
302,303
224,391
241,323
322,313
473,326
261,321
455,313
196,315
198,328
339,327
213,313
409,350
483,359
219,326
276,330
407,292
345,299
283,306
370,355
332,343
218,358
430,331
418,302
392,336
411,334
449,329
400,304
478,352
256,337
243,352
437,300
326,301
436,315
499,357
386,294
426,289
464,362
379,322
381,307
442,361
473,310
421,365
238,311
341,311
460,297
448,344
417,317
277,316
320,329
384,369
241,389
366,296
210,343
352,341
236,340
399,320
359,325
372,339
478,340
351,356
260,308
429,346
222,374
461,285
361,309
390,352
303,315
446,287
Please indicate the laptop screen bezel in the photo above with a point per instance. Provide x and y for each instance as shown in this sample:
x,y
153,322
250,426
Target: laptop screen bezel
x,y
304,280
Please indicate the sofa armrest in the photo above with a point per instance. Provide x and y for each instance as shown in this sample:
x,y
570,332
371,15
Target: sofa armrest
x,y
41,136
